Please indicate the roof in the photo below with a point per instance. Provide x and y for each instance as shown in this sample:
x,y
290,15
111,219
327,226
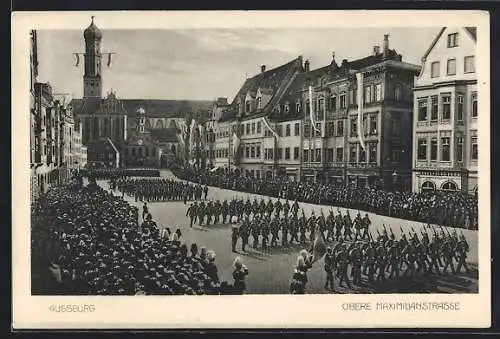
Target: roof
x,y
470,30
272,81
164,135
155,108
92,32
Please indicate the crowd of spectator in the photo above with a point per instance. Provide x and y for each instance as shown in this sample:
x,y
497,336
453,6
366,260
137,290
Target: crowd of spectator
x,y
98,245
455,209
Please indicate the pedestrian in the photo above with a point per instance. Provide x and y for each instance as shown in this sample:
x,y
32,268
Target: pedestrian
x,y
329,268
240,272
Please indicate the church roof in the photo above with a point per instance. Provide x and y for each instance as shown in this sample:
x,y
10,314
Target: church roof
x,y
154,108
164,134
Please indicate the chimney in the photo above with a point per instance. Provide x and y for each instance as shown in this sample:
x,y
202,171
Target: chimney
x,y
344,62
386,45
376,50
307,66
301,60
263,68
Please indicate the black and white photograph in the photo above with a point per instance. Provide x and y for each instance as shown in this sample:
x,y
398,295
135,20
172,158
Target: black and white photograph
x,y
225,161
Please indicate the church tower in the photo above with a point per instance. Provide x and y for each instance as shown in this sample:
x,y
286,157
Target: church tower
x,y
92,80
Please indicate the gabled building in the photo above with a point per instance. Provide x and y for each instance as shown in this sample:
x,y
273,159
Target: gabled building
x,y
331,150
445,150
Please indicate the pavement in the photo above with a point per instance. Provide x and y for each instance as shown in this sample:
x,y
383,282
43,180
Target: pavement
x,y
271,270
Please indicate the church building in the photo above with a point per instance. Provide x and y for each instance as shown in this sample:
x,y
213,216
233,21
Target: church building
x,y
127,132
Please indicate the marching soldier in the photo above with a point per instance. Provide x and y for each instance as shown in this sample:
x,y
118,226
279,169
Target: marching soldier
x,y
278,207
370,254
209,210
217,211
294,230
270,207
381,261
234,237
265,232
356,257
284,231
244,233
447,250
205,191
330,226
338,226
394,255
224,210
274,232
295,208
343,261
347,226
255,231
192,212
286,208
144,210
329,268
366,225
302,229
461,250
201,213
311,225
357,226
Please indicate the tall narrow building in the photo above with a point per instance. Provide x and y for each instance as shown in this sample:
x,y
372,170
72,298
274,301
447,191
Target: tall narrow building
x,y
92,78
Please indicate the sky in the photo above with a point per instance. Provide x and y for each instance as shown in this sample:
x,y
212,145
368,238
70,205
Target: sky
x,y
203,64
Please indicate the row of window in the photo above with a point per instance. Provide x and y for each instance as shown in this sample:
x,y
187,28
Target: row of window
x,y
222,153
371,93
251,151
445,100
451,66
425,153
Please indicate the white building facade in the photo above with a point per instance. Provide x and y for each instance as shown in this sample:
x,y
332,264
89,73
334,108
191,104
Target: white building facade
x,y
445,148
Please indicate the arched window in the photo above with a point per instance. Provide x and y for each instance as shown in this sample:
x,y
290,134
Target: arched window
x,y
449,186
428,186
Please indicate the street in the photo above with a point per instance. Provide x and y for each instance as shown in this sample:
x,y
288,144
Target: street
x,y
271,270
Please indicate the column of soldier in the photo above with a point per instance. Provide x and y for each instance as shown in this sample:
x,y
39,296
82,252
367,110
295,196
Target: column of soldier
x,y
115,173
384,256
158,189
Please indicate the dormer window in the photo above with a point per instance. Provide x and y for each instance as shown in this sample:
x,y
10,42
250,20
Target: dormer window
x,y
247,106
297,107
452,40
259,103
287,107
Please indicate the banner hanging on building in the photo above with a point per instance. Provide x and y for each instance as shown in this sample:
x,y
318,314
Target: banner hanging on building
x,y
359,78
266,122
311,111
236,144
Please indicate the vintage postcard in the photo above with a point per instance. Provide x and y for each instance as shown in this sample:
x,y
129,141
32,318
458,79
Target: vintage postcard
x,y
290,169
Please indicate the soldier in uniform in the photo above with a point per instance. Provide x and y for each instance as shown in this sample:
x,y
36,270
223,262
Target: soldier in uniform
x,y
286,208
201,213
357,226
256,222
410,252
434,255
245,233
265,231
255,207
224,210
447,250
381,261
262,207
248,207
302,229
343,261
278,207
311,226
366,224
330,226
356,257
144,210
270,207
295,208
461,250
205,191
370,261
209,210
284,231
217,211
394,255
192,212
338,226
329,268
274,232
347,227
294,230
234,237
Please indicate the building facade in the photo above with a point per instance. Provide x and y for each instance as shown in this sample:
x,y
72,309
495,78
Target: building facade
x,y
271,115
445,149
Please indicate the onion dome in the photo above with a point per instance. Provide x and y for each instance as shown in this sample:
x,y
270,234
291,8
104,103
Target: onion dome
x,y
92,32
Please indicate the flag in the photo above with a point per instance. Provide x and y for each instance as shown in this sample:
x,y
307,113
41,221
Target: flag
x,y
266,122
109,59
236,144
77,59
191,136
311,110
359,78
